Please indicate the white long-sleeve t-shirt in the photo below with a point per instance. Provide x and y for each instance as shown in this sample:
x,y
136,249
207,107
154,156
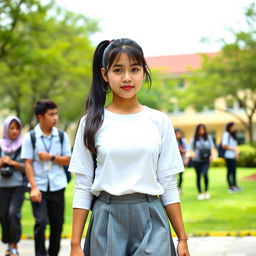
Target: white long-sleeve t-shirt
x,y
136,153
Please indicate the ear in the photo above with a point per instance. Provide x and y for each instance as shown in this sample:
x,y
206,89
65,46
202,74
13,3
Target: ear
x,y
40,118
104,75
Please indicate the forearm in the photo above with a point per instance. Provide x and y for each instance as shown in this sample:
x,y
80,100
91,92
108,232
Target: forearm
x,y
17,165
30,174
61,160
229,148
78,222
174,213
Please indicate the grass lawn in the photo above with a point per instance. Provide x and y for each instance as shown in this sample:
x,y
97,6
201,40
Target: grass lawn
x,y
223,212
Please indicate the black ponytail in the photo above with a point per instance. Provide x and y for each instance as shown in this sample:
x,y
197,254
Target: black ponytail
x,y
104,56
96,99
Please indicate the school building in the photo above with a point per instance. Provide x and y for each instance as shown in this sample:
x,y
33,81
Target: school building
x,y
179,67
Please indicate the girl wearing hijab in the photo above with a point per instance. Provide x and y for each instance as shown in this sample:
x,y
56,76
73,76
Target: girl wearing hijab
x,y
12,184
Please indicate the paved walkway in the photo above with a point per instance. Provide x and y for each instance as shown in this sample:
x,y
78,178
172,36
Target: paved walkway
x,y
199,246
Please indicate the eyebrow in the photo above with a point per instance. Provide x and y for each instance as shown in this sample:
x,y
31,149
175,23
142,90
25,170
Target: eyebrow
x,y
120,65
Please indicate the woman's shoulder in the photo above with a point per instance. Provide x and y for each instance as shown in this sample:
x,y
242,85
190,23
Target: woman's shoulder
x,y
226,134
157,114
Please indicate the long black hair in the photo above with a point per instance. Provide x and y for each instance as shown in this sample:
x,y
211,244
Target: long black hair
x,y
197,135
105,55
228,129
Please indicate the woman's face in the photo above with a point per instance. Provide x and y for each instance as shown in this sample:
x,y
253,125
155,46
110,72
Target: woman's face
x,y
13,130
178,135
233,128
201,131
125,77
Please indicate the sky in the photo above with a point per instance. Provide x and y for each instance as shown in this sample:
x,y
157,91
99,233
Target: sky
x,y
165,27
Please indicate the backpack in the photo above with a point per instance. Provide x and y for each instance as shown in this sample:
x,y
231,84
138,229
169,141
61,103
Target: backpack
x,y
61,136
221,150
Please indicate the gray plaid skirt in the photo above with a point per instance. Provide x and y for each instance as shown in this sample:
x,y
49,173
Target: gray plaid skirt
x,y
128,225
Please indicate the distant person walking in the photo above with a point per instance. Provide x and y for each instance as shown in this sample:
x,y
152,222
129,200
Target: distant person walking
x,y
12,184
229,143
201,151
183,148
44,163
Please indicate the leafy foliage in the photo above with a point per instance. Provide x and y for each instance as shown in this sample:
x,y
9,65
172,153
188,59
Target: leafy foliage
x,y
229,75
45,52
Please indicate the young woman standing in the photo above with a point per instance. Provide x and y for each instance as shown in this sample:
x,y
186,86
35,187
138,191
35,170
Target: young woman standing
x,y
136,158
202,151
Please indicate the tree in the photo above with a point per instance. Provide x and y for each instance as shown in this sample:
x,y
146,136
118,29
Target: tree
x,y
229,75
160,94
53,60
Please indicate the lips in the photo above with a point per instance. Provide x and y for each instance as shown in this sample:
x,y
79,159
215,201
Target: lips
x,y
127,87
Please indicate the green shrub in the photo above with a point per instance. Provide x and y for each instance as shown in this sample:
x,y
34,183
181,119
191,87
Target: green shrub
x,y
247,156
218,162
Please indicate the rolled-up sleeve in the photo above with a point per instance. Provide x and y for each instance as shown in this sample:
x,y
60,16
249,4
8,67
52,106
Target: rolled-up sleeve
x,y
82,196
81,164
171,194
169,161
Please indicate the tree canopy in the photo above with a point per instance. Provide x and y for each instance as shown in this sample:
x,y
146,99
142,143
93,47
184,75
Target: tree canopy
x,y
229,75
45,52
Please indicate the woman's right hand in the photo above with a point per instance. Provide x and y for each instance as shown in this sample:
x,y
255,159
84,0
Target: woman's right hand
x,y
76,251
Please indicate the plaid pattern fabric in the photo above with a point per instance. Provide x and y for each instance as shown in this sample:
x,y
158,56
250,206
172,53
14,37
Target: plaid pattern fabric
x,y
129,225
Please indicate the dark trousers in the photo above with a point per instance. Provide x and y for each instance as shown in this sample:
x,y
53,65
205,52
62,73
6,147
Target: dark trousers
x,y
11,200
51,209
231,172
201,170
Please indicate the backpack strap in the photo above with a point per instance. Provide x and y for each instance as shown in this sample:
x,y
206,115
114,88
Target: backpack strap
x,y
61,135
33,138
17,152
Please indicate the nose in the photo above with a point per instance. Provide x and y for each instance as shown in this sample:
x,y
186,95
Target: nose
x,y
126,77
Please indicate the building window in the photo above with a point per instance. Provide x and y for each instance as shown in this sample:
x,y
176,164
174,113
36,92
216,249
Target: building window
x,y
230,104
181,84
240,135
174,108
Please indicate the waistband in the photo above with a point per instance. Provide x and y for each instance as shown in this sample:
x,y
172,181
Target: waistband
x,y
126,199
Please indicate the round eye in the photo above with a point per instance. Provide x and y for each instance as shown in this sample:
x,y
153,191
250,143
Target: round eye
x,y
117,70
135,69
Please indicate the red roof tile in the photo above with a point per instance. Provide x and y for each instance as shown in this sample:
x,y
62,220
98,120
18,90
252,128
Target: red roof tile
x,y
177,63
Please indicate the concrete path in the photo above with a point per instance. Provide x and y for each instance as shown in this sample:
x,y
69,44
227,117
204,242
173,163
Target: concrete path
x,y
199,246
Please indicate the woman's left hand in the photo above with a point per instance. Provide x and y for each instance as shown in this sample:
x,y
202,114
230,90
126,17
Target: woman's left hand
x,y
182,248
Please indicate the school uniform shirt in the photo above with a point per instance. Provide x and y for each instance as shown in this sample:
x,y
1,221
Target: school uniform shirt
x,y
17,179
47,173
200,144
228,140
136,153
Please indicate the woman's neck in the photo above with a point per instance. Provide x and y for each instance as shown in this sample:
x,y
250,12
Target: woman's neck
x,y
124,106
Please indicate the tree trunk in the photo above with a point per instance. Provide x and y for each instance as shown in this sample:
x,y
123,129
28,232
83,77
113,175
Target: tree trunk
x,y
250,129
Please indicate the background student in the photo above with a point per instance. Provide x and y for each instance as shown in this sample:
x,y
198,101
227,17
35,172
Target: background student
x,y
183,148
229,143
44,161
202,151
12,184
